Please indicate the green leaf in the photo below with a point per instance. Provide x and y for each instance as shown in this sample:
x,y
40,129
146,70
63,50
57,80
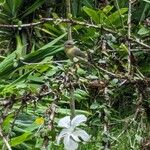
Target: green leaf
x,y
92,13
144,9
147,1
21,78
114,18
144,31
81,92
114,82
7,122
36,79
32,127
94,106
80,95
107,9
81,71
6,66
11,7
52,42
67,111
46,50
20,139
33,7
102,16
20,46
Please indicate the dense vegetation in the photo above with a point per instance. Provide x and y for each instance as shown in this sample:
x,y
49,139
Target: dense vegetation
x,y
39,85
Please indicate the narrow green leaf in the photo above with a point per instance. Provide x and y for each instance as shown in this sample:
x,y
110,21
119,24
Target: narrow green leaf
x,y
52,42
92,13
20,139
107,9
21,78
114,18
7,63
6,66
33,7
147,1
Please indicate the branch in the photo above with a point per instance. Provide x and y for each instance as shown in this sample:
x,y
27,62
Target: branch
x,y
129,36
68,14
135,40
106,125
73,22
57,21
109,73
5,140
21,26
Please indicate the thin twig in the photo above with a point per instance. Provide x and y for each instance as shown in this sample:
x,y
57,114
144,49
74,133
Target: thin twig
x,y
108,72
72,103
44,63
136,40
129,36
68,12
106,128
5,140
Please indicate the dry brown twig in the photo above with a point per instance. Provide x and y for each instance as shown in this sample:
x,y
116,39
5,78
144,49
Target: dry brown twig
x,y
5,140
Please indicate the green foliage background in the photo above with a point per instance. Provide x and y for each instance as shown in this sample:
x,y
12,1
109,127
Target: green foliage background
x,y
35,73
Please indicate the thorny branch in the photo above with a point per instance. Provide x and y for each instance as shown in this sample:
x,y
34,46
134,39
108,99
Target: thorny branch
x,y
74,22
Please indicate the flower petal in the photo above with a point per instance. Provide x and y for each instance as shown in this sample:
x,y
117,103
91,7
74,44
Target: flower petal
x,y
77,120
61,135
82,134
69,143
64,122
75,137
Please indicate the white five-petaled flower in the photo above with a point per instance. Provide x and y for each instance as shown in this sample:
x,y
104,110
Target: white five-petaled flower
x,y
71,134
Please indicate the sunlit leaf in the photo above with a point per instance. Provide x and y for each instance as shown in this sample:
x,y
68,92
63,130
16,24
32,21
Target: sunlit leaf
x,y
92,13
20,139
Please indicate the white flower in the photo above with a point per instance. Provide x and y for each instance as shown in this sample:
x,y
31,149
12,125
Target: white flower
x,y
71,134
